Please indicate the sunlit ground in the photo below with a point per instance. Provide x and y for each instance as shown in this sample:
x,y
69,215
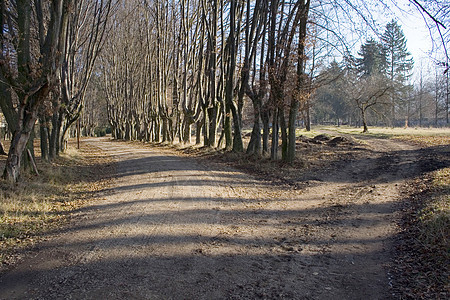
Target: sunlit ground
x,y
388,132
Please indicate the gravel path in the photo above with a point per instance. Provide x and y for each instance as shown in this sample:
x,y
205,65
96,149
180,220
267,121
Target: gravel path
x,y
172,228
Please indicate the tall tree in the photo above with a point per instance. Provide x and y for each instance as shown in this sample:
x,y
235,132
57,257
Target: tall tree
x,y
372,59
367,92
32,50
332,98
367,83
85,33
399,64
302,84
288,23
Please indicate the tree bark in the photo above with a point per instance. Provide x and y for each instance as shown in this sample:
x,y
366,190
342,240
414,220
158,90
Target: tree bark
x,y
254,146
43,129
2,150
274,148
19,143
265,117
363,118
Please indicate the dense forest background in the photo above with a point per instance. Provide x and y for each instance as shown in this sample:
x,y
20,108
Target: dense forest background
x,y
204,71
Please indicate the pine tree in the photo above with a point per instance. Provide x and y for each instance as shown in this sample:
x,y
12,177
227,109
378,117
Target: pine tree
x,y
399,63
373,58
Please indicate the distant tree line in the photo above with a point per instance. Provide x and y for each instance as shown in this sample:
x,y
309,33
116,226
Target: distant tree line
x,y
374,85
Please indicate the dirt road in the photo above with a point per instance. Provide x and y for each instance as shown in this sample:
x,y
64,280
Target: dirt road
x,y
173,228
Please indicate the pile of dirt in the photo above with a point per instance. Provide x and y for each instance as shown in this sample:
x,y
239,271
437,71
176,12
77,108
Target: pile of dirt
x,y
324,139
321,138
341,140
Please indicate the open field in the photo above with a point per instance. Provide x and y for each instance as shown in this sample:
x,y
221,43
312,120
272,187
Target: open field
x,y
386,132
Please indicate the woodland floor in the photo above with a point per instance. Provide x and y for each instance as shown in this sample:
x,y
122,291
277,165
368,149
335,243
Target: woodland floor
x,y
178,225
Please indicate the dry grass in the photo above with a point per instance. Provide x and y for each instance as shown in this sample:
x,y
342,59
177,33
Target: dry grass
x,y
385,132
39,203
399,131
423,248
434,217
420,267
427,141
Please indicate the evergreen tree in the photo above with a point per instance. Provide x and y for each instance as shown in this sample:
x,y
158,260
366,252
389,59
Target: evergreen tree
x,y
399,63
332,101
373,58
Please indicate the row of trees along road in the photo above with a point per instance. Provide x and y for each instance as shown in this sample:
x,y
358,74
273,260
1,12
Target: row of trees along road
x,y
177,64
180,64
166,68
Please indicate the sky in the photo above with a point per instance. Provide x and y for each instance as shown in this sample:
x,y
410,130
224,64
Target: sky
x,y
418,37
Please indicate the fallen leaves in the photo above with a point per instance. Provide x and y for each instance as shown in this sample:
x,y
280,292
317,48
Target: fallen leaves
x,y
421,267
40,204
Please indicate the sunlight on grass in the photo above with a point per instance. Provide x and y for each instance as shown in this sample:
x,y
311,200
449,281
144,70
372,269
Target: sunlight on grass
x,y
435,216
39,203
32,205
389,132
309,134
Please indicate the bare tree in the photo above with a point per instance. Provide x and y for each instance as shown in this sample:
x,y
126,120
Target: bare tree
x,y
368,92
32,51
204,58
84,40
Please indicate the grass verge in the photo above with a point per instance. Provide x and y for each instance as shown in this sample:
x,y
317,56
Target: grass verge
x,y
421,267
38,204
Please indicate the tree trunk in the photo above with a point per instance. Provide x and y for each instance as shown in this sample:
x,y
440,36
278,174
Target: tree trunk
x,y
308,118
18,145
254,146
43,129
212,116
284,135
274,149
2,150
227,128
290,157
198,132
238,145
165,129
265,117
28,154
205,127
186,130
157,130
363,117
54,142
